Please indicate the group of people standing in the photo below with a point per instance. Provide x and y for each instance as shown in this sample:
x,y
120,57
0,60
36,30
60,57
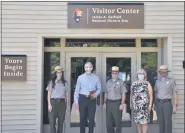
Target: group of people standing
x,y
88,87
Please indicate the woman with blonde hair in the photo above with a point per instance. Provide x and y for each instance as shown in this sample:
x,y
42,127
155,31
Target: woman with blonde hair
x,y
141,101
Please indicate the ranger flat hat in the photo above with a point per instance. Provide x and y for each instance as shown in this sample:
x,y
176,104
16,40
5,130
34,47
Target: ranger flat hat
x,y
163,68
59,69
115,69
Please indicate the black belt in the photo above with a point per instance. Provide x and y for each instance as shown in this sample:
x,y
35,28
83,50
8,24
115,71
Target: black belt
x,y
58,99
164,100
85,95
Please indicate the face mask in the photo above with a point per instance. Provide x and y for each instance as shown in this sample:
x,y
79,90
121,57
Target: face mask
x,y
163,74
114,76
140,76
88,70
59,75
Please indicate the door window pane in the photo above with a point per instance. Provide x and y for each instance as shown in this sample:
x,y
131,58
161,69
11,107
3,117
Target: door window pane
x,y
52,42
149,63
100,43
51,59
77,68
124,65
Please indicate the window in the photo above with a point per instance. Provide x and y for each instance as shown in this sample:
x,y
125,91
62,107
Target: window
x,y
100,43
149,63
52,42
124,63
51,59
148,42
77,68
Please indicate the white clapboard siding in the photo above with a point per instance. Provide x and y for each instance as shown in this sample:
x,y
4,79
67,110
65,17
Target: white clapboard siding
x,y
19,117
14,127
18,102
19,130
63,21
23,21
0,67
56,26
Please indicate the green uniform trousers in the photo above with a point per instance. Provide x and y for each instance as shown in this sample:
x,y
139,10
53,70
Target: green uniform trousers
x,y
58,111
113,115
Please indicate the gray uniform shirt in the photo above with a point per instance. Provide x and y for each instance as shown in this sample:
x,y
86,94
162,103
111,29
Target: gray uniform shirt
x,y
59,91
164,89
114,89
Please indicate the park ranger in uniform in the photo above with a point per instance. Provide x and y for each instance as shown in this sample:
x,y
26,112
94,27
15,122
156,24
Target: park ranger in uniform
x,y
165,89
114,100
57,98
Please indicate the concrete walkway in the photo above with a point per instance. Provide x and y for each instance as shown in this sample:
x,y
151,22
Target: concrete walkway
x,y
153,128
